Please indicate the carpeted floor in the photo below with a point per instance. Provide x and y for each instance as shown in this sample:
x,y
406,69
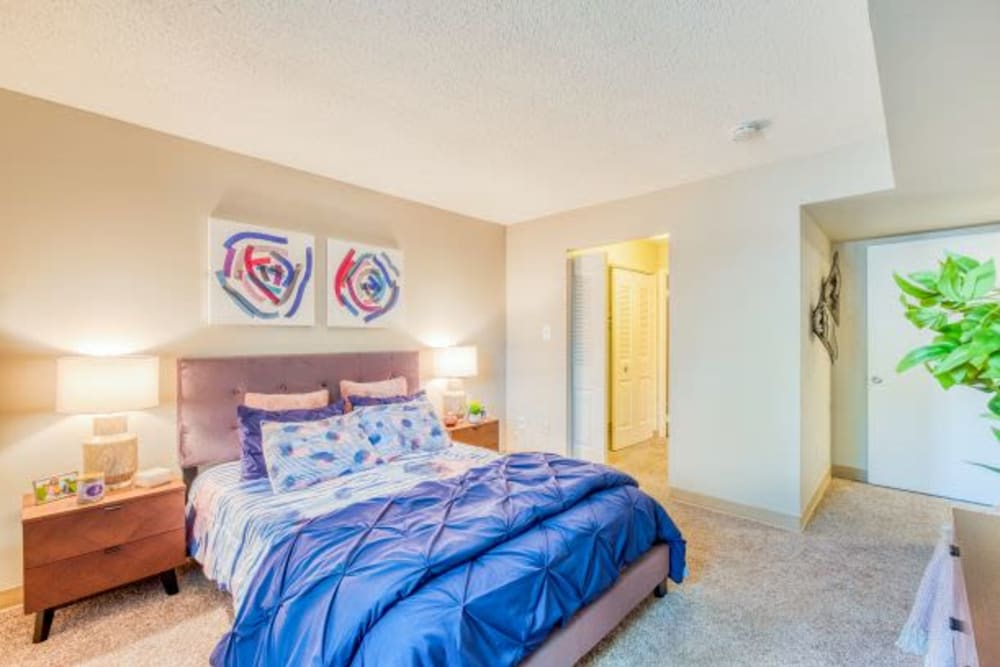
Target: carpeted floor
x,y
836,594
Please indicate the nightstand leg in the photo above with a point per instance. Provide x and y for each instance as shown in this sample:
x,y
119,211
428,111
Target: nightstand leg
x,y
43,623
169,580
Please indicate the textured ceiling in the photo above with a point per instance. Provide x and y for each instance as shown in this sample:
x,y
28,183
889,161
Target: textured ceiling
x,y
938,64
501,110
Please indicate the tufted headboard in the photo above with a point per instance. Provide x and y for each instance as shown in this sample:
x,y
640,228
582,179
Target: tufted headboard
x,y
209,390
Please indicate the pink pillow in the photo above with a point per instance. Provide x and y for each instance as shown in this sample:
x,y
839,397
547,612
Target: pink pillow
x,y
383,389
307,401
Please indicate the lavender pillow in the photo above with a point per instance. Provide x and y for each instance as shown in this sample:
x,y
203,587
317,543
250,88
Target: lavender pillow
x,y
252,464
364,401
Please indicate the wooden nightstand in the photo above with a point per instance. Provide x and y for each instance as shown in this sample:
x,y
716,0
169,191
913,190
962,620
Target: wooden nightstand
x,y
73,551
485,434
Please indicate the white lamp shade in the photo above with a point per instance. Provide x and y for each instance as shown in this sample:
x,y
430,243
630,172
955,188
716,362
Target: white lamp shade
x,y
456,362
107,384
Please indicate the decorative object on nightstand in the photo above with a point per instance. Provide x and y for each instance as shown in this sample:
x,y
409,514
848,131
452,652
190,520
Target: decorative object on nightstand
x,y
485,434
454,364
55,487
102,386
477,413
72,551
151,477
90,488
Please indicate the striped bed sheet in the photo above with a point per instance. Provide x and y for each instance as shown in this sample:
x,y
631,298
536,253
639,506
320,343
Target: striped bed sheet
x,y
233,524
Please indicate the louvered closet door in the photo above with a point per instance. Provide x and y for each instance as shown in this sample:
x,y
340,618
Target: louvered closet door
x,y
589,357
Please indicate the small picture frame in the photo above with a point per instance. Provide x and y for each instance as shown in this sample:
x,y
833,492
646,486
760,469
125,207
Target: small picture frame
x,y
55,487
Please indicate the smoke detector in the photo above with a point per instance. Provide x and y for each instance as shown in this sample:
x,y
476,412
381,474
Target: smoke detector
x,y
749,129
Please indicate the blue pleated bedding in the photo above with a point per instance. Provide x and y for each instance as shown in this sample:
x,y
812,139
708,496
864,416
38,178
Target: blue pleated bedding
x,y
476,568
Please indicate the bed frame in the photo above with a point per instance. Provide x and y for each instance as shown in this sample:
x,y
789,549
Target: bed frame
x,y
210,389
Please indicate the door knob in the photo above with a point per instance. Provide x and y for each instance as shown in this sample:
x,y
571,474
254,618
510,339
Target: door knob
x,y
876,379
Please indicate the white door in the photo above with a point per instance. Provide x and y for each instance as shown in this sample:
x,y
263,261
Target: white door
x,y
921,437
589,356
633,336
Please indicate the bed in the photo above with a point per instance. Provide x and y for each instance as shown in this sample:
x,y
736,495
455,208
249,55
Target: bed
x,y
434,558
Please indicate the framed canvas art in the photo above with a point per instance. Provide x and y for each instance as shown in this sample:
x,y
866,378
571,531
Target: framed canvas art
x,y
260,275
365,286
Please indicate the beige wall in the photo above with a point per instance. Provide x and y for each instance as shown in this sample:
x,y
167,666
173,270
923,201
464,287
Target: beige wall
x,y
104,234
816,365
735,329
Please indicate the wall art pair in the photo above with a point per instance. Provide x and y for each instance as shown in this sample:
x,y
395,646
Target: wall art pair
x,y
267,276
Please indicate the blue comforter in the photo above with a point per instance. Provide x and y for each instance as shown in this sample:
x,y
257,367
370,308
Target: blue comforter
x,y
476,570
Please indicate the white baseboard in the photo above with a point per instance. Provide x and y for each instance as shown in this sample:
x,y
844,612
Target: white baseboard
x,y
760,515
815,500
11,597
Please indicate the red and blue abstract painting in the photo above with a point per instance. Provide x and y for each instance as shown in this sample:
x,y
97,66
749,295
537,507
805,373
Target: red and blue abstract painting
x,y
260,275
365,285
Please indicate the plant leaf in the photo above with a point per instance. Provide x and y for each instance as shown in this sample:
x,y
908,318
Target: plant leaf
x,y
927,279
984,465
912,289
924,354
957,357
948,282
961,261
994,404
980,281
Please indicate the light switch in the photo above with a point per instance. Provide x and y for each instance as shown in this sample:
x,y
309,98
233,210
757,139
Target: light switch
x,y
546,332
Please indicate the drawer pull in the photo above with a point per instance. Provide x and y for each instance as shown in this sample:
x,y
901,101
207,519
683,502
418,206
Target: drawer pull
x,y
113,550
955,625
112,508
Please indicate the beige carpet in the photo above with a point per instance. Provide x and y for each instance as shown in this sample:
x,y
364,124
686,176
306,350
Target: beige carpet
x,y
834,595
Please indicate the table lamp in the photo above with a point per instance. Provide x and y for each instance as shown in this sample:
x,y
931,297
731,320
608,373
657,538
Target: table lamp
x,y
105,387
455,363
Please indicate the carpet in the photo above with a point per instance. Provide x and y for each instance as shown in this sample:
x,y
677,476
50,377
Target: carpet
x,y
835,594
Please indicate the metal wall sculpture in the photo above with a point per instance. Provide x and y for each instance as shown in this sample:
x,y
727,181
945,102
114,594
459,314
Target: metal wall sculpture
x,y
825,316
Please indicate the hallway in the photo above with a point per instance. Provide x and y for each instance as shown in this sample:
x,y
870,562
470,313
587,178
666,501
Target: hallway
x,y
646,462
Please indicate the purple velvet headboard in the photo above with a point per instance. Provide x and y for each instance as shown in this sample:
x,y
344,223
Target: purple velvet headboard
x,y
209,390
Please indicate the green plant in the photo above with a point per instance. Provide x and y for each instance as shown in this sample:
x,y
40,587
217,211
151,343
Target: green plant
x,y
960,303
476,408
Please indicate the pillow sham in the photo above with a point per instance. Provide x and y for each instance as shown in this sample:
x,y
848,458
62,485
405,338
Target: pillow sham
x,y
400,428
301,454
393,387
305,401
365,401
252,464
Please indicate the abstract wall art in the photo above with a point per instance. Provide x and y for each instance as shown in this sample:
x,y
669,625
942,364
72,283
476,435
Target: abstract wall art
x,y
365,286
825,315
260,275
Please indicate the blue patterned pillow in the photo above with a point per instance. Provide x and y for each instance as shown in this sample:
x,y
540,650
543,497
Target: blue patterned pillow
x,y
401,428
251,453
300,454
365,401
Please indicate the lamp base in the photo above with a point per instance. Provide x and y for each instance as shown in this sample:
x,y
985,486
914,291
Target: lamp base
x,y
116,456
453,401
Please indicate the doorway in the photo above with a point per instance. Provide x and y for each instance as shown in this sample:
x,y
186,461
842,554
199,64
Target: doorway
x,y
920,437
619,349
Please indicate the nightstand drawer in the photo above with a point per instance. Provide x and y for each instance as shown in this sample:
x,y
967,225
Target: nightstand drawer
x,y
481,435
66,580
82,531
